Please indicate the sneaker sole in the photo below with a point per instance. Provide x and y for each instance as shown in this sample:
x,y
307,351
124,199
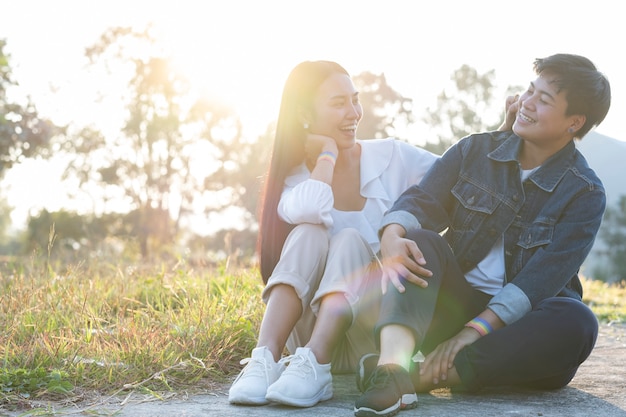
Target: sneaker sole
x,y
248,401
407,402
325,394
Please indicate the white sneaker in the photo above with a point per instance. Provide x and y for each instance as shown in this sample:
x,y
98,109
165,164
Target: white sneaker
x,y
304,382
251,384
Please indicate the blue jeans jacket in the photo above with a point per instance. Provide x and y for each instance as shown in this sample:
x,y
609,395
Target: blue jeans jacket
x,y
549,222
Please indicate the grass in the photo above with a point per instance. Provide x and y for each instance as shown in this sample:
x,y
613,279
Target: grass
x,y
110,328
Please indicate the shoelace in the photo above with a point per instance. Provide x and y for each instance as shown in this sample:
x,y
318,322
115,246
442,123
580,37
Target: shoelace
x,y
378,378
255,367
299,365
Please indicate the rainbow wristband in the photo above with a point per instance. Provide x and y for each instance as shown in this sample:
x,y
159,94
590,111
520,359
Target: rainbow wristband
x,y
482,326
327,156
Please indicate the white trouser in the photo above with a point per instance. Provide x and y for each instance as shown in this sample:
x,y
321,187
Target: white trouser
x,y
315,266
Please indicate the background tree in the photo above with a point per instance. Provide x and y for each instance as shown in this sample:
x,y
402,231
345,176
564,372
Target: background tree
x,y
174,151
468,105
23,133
384,109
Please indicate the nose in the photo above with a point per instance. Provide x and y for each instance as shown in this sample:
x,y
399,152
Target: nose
x,y
528,100
355,111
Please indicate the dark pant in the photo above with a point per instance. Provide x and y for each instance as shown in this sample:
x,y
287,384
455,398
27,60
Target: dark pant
x,y
541,350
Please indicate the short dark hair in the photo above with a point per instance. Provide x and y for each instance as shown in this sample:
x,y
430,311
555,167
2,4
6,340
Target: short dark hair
x,y
587,90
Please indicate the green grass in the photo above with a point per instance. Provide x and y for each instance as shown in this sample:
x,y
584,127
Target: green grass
x,y
112,329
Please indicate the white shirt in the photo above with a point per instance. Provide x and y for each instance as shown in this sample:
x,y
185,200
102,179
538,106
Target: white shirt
x,y
388,167
488,275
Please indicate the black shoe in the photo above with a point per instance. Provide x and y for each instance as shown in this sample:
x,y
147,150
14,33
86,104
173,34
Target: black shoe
x,y
389,390
367,365
369,362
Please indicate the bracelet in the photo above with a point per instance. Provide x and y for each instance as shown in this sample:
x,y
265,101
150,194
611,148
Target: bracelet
x,y
327,156
482,326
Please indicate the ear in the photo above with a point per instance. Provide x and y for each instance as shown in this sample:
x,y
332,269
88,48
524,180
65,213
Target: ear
x,y
304,117
577,122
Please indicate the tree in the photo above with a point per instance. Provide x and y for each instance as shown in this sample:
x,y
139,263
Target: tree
x,y
174,150
23,133
467,106
384,109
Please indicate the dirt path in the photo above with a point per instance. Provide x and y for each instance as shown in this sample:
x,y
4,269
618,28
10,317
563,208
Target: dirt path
x,y
599,389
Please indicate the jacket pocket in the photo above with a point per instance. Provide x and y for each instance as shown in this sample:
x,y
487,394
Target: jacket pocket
x,y
535,235
475,204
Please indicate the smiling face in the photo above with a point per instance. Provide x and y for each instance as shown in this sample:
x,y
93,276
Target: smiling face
x,y
542,117
336,110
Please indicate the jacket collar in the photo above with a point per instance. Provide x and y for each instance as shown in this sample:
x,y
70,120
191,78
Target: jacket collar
x,y
551,171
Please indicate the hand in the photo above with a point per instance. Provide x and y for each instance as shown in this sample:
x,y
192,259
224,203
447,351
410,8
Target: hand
x,y
510,112
402,260
439,361
316,144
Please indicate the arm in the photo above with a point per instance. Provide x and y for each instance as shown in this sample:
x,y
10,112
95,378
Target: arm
x,y
308,196
552,266
427,205
401,257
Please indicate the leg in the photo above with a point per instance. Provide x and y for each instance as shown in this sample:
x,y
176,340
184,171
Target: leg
x,y
346,303
402,327
288,316
300,268
307,379
542,350
429,315
283,310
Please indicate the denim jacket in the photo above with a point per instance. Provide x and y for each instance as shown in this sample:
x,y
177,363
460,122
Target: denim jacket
x,y
475,194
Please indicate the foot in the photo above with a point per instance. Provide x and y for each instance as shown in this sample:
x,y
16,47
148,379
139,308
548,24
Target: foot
x,y
259,373
367,365
304,382
387,391
369,362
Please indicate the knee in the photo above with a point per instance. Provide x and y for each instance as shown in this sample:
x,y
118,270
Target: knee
x,y
314,235
573,318
431,244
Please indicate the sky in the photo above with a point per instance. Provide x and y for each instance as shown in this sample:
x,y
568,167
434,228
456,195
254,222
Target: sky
x,y
243,50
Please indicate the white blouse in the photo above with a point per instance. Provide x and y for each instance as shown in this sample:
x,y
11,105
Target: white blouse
x,y
388,167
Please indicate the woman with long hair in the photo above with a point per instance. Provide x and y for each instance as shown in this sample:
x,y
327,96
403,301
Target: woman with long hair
x,y
324,197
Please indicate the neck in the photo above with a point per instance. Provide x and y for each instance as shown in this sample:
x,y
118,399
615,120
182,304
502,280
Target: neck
x,y
533,155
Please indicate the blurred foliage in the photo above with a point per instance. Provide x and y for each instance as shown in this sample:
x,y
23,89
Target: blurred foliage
x,y
179,155
23,134
384,109
467,105
174,151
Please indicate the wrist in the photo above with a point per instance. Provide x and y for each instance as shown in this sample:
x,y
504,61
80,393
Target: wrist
x,y
481,325
327,156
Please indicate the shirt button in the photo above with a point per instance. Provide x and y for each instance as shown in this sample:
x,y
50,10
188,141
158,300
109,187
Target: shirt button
x,y
516,198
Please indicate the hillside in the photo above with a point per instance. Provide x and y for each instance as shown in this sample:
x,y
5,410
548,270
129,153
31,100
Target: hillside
x,y
606,156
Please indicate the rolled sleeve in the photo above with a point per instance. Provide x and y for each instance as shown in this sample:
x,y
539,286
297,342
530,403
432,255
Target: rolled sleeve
x,y
310,201
510,304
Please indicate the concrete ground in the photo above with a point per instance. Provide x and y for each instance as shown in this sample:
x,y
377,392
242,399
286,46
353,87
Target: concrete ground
x,y
599,389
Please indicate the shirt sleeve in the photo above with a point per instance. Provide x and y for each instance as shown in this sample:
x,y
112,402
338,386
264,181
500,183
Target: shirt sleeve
x,y
305,200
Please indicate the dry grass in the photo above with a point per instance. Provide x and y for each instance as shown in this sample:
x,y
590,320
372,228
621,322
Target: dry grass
x,y
112,329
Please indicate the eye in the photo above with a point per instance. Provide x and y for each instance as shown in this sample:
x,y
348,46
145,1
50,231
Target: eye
x,y
337,103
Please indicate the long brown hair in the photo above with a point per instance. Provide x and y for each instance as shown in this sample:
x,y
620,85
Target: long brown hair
x,y
288,152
